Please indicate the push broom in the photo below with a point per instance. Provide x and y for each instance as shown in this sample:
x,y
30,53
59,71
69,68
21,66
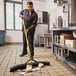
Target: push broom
x,y
31,63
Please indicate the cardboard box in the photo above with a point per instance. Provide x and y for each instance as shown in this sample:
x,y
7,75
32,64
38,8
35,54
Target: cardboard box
x,y
70,43
73,44
63,37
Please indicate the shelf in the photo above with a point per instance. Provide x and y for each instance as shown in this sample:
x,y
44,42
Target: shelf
x,y
65,47
64,29
71,62
72,65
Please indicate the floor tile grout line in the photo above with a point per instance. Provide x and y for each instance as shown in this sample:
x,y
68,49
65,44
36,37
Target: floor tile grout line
x,y
4,56
8,61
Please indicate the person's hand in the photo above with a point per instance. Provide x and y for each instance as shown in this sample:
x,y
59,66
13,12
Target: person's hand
x,y
22,16
27,31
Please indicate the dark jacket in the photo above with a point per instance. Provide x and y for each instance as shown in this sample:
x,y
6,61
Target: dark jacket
x,y
30,21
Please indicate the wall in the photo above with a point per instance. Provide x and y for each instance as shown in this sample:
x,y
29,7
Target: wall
x,y
2,25
55,12
14,37
73,12
38,5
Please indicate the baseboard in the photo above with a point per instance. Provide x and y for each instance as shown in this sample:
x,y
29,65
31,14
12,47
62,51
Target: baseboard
x,y
13,43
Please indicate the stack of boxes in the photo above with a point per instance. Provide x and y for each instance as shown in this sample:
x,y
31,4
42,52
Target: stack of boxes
x,y
68,40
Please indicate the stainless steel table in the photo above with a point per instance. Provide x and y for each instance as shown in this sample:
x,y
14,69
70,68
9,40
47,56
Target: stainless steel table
x,y
47,39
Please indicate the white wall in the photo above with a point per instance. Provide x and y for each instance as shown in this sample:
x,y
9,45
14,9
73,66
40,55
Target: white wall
x,y
38,5
56,11
14,36
2,27
73,12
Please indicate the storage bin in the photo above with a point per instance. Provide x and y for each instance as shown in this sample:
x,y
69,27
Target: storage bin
x,y
2,37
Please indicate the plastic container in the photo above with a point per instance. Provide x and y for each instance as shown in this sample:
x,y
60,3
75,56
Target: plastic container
x,y
2,37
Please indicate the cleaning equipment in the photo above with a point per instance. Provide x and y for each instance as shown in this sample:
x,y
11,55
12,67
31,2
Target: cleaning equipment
x,y
31,63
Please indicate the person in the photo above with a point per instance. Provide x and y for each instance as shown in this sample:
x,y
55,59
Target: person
x,y
30,19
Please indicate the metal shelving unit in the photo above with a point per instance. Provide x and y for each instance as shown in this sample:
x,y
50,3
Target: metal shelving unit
x,y
63,52
65,47
64,29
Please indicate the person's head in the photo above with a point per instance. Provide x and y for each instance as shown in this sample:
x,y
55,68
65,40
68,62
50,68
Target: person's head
x,y
30,6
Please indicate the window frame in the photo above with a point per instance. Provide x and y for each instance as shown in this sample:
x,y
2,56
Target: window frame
x,y
14,2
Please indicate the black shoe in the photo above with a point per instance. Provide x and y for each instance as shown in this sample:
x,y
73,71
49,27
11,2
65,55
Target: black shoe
x,y
22,55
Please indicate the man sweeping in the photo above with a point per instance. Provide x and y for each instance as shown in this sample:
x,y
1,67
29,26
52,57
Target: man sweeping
x,y
30,19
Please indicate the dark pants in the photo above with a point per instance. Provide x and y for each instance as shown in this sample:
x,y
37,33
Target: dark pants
x,y
31,40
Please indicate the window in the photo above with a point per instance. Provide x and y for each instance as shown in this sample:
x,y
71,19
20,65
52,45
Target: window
x,y
9,16
13,0
13,8
18,23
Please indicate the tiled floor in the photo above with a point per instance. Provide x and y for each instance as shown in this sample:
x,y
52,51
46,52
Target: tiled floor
x,y
9,56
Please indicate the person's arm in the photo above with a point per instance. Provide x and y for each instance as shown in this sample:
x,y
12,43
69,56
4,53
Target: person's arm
x,y
34,23
21,15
